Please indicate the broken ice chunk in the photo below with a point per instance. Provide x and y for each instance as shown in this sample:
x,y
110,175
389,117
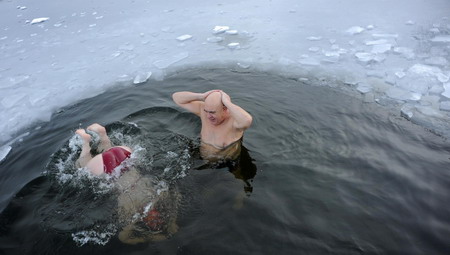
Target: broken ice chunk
x,y
376,73
116,54
231,32
243,65
355,30
436,89
364,88
305,60
400,94
233,46
314,49
39,20
446,92
385,35
435,30
364,56
21,7
141,78
4,151
182,38
441,38
381,48
314,38
407,111
405,52
437,61
443,106
410,22
220,29
400,74
376,42
367,57
370,27
332,56
442,77
390,80
214,39
425,70
426,110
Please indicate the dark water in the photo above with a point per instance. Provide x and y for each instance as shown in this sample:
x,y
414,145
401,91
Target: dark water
x,y
333,175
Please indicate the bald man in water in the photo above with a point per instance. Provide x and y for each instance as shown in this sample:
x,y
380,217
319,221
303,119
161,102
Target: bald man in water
x,y
223,123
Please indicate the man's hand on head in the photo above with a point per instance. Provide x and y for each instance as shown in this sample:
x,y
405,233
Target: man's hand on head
x,y
207,93
225,98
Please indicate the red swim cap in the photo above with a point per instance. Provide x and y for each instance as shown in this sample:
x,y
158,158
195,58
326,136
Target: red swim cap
x,y
154,220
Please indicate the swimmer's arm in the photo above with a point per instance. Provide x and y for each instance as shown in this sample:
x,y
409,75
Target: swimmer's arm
x,y
190,101
242,119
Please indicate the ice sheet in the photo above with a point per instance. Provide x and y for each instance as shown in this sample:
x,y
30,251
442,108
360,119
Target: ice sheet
x,y
78,49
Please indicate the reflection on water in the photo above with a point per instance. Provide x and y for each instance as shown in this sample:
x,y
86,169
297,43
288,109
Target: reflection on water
x,y
334,175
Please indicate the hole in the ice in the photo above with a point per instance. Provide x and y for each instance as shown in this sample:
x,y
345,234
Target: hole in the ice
x,y
319,164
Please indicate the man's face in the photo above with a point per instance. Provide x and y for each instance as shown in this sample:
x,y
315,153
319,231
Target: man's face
x,y
214,115
213,109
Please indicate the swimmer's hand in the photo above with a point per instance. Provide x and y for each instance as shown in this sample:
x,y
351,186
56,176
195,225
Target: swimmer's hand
x,y
207,93
226,100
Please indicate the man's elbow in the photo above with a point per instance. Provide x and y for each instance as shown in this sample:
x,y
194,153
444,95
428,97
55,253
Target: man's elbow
x,y
176,97
247,122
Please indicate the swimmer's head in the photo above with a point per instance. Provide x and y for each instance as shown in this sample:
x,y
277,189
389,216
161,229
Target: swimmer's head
x,y
214,108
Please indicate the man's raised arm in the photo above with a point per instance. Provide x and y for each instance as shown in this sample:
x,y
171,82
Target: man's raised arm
x,y
242,119
190,101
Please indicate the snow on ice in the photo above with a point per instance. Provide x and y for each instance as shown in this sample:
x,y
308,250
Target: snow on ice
x,y
38,20
90,45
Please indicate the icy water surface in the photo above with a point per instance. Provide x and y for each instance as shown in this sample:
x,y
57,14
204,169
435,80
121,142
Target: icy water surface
x,y
324,173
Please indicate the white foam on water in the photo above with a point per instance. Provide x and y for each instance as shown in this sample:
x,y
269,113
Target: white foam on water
x,y
100,237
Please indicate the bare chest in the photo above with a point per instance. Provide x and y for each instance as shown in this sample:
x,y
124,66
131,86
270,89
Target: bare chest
x,y
219,136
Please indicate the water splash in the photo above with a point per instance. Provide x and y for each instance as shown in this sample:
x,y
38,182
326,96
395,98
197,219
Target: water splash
x,y
101,235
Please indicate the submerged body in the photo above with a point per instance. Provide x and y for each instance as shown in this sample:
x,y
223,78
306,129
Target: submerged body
x,y
214,153
145,212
